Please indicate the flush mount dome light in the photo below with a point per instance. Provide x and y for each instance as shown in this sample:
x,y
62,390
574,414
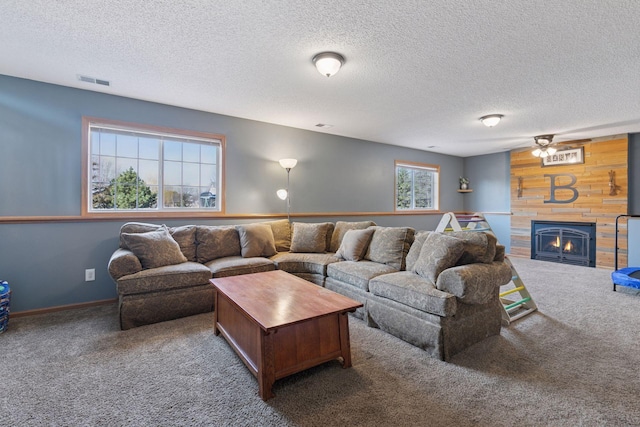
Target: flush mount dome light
x,y
491,120
328,63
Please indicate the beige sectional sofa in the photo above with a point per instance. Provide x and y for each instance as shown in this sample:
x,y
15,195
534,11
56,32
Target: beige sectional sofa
x,y
438,291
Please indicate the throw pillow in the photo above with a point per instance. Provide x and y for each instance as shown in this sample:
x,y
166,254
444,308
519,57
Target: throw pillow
x,y
342,227
390,245
416,247
256,240
216,241
136,227
354,244
281,234
309,237
154,248
438,253
186,237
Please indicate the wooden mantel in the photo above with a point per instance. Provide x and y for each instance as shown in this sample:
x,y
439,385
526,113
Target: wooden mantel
x,y
549,193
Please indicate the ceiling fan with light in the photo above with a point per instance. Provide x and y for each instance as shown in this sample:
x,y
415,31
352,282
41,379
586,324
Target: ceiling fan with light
x,y
544,146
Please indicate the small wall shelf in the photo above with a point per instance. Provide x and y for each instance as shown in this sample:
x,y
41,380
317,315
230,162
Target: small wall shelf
x,y
465,191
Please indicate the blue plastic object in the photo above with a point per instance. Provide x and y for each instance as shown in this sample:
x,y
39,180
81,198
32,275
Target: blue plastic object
x,y
5,300
629,276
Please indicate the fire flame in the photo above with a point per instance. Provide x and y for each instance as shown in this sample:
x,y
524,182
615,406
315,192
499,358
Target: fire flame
x,y
568,247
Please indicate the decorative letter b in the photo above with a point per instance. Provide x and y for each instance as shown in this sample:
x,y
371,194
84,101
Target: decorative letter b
x,y
554,187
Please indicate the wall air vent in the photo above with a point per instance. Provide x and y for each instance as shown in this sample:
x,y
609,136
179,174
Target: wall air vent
x,y
93,80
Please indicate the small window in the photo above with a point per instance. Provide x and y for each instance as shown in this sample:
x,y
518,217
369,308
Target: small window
x,y
416,186
132,168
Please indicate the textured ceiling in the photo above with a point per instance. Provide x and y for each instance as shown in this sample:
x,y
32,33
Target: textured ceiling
x,y
417,74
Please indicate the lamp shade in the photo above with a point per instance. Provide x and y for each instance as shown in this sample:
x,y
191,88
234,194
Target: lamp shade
x,y
544,152
288,163
491,120
282,194
328,63
539,153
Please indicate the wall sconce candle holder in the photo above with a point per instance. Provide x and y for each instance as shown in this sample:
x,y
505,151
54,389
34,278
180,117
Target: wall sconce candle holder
x,y
613,188
519,188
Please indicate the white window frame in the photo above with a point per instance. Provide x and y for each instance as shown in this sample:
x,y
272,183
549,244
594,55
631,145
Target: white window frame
x,y
89,123
434,169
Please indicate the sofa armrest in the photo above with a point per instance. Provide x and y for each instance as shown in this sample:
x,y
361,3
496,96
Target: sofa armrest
x,y
474,283
122,263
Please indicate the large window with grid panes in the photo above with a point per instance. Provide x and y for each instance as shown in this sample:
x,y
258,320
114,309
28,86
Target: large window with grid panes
x,y
138,168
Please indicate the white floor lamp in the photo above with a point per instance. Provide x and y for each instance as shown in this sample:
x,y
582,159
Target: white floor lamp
x,y
283,194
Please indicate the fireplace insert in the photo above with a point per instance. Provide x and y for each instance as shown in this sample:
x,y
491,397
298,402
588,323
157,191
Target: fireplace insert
x,y
564,242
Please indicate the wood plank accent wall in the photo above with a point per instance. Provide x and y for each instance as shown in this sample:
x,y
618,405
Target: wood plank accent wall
x,y
593,203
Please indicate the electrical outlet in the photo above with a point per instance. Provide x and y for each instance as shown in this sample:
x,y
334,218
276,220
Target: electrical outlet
x,y
90,274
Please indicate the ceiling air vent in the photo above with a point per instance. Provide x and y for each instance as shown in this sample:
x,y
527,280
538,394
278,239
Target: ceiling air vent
x,y
93,80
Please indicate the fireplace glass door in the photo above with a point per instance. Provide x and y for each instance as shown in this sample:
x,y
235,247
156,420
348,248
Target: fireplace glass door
x,y
564,244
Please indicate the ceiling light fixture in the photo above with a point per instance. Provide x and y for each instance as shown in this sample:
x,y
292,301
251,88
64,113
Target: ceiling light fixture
x,y
544,148
328,63
491,120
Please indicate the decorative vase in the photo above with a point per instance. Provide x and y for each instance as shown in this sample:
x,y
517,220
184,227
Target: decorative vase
x,y
464,186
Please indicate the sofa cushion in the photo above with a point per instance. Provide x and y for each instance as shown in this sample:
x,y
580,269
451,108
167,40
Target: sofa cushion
x,y
216,242
438,253
358,273
292,262
415,291
342,227
478,246
154,248
162,278
354,244
416,247
256,240
281,234
390,245
309,237
186,237
236,265
316,279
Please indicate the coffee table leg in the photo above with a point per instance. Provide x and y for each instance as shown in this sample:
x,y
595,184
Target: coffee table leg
x,y
345,344
215,312
266,368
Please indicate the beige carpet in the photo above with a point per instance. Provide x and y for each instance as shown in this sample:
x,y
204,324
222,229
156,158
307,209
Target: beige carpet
x,y
575,362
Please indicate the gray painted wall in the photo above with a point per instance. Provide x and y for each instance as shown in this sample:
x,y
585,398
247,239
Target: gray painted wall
x,y
40,139
40,175
489,178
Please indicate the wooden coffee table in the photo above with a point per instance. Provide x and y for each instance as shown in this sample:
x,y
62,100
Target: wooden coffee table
x,y
280,324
